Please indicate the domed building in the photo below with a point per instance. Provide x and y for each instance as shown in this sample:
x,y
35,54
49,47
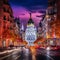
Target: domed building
x,y
31,32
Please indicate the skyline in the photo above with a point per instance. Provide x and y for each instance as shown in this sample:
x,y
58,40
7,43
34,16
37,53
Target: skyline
x,y
22,8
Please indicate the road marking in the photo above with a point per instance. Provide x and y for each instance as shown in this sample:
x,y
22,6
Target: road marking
x,y
47,55
8,51
7,56
17,57
50,57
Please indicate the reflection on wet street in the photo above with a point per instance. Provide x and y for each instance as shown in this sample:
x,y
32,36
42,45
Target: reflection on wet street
x,y
11,56
17,55
27,54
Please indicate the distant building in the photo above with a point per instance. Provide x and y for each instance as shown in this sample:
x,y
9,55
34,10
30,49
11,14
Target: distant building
x,y
51,24
31,32
40,29
22,32
58,9
9,28
17,31
58,19
50,19
52,15
17,26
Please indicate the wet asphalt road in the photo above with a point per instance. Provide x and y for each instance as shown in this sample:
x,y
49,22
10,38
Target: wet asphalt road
x,y
10,56
18,55
44,57
48,54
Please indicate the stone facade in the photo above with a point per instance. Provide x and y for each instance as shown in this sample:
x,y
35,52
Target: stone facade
x,y
6,22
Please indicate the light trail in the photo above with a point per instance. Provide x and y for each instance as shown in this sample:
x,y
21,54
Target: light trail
x,y
17,50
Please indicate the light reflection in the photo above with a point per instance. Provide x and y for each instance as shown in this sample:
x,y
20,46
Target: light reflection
x,y
33,51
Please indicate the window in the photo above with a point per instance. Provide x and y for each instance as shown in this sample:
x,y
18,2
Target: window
x,y
8,28
11,28
4,26
8,19
4,9
52,11
11,15
8,10
5,2
0,23
4,17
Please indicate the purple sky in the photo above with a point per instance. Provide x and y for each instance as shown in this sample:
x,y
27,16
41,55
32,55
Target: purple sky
x,y
22,8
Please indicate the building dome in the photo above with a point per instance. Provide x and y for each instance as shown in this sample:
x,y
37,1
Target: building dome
x,y
30,33
30,20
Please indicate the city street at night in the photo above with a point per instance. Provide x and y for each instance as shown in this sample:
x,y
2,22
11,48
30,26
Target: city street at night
x,y
48,54
13,54
29,30
17,54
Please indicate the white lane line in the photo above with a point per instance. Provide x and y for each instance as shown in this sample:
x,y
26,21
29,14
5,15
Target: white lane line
x,y
17,57
50,57
8,51
7,56
3,52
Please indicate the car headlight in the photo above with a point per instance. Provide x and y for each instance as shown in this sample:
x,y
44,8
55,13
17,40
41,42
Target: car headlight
x,y
48,48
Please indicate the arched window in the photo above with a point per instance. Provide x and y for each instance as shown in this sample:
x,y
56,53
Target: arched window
x,y
4,17
4,9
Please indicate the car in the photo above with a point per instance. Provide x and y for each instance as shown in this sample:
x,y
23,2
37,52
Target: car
x,y
53,48
58,47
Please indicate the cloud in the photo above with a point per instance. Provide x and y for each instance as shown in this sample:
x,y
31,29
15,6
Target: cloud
x,y
21,8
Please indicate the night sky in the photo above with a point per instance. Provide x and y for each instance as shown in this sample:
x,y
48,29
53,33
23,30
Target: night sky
x,y
22,8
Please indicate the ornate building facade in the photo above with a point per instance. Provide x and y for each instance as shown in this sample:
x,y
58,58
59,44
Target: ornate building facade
x,y
7,24
22,32
49,23
6,20
30,33
17,31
